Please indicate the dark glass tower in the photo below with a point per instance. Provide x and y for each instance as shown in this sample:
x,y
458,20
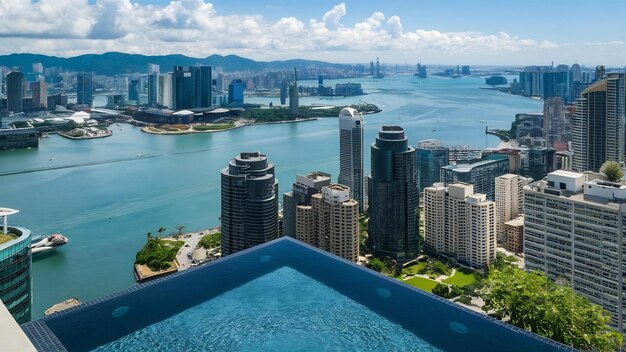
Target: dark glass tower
x,y
249,203
15,274
15,79
152,89
393,197
84,88
192,87
431,157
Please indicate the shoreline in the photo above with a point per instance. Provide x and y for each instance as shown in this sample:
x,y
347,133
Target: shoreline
x,y
62,134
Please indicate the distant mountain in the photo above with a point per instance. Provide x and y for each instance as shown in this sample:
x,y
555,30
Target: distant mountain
x,y
116,63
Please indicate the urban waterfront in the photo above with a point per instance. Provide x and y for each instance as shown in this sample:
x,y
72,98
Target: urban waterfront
x,y
106,208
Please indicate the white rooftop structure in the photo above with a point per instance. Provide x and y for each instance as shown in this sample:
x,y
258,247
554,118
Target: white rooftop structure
x,y
183,112
4,214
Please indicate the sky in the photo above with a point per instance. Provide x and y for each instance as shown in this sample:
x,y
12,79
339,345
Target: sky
x,y
487,32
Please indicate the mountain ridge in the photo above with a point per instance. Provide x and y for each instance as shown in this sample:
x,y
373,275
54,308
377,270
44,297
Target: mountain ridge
x,y
111,63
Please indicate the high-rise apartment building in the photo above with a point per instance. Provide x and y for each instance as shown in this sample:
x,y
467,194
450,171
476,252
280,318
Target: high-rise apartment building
x,y
575,230
351,154
431,157
331,222
480,174
249,203
39,92
15,269
15,80
393,196
191,87
460,224
84,88
598,124
300,194
133,90
509,201
164,90
153,89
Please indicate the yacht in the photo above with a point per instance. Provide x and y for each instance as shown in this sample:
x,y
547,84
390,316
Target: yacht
x,y
45,243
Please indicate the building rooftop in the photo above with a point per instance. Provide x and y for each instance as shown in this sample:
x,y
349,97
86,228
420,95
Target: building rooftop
x,y
467,167
565,173
271,297
517,222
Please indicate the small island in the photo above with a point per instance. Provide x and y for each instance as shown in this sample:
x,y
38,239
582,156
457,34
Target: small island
x,y
192,128
305,113
86,133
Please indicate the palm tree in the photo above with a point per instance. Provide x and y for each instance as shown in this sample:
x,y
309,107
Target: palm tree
x,y
149,235
161,230
180,229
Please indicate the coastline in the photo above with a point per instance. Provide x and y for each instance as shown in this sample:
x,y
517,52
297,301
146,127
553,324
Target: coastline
x,y
62,134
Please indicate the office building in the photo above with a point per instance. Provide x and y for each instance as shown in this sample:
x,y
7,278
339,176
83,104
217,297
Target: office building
x,y
431,157
300,194
284,86
509,201
393,196
480,174
235,92
598,124
15,81
154,69
191,87
164,90
294,107
554,122
556,84
84,88
331,222
351,154
574,230
153,89
133,90
460,224
39,92
249,203
15,269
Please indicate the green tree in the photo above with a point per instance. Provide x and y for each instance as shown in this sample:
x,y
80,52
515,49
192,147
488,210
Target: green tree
x,y
161,230
441,290
533,302
376,264
612,171
180,229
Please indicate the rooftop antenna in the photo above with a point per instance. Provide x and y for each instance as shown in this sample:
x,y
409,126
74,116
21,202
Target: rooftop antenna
x,y
295,74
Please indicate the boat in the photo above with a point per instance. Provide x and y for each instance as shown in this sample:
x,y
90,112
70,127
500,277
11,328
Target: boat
x,y
140,155
45,243
68,303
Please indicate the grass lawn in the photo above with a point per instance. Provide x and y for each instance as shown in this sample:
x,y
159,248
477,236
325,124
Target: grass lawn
x,y
414,269
421,283
461,279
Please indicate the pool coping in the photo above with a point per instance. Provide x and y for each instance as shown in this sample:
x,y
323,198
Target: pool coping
x,y
44,339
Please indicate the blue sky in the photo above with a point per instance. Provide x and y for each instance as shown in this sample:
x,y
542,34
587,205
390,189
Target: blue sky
x,y
445,31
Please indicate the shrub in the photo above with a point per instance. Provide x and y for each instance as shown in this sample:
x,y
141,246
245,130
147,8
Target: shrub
x,y
465,299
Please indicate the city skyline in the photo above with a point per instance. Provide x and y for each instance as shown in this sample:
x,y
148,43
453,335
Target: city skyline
x,y
342,32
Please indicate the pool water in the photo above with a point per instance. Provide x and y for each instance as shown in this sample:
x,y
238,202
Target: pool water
x,y
283,310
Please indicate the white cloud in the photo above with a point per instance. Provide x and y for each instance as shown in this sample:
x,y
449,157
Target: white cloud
x,y
195,28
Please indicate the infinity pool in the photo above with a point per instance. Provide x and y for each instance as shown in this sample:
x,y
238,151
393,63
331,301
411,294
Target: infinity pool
x,y
280,296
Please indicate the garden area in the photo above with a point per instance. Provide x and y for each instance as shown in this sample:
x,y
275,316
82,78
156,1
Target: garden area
x,y
158,254
6,237
213,127
211,241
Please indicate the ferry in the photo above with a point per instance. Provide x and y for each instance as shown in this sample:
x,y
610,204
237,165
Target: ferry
x,y
45,243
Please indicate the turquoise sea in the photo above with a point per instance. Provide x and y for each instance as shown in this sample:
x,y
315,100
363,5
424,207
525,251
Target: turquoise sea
x,y
105,199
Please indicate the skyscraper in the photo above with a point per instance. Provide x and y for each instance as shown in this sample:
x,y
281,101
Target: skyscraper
x,y
294,107
154,69
84,88
509,201
554,123
249,203
39,92
235,91
460,223
480,174
164,90
133,90
331,222
351,154
300,194
192,87
574,231
598,124
15,80
15,276
393,196
152,89
284,86
431,157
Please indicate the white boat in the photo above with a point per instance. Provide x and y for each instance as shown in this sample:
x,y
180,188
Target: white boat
x,y
46,243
